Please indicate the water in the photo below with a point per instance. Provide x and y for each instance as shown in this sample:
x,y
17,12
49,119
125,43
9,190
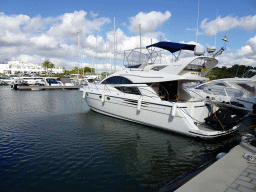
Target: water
x,y
52,141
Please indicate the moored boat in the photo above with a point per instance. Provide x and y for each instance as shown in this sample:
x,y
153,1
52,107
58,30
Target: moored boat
x,y
152,94
229,90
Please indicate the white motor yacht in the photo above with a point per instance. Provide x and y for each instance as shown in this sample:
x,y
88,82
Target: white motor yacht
x,y
8,80
152,95
49,81
32,81
65,81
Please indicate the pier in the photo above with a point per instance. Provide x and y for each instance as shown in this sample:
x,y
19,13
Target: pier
x,y
231,173
38,88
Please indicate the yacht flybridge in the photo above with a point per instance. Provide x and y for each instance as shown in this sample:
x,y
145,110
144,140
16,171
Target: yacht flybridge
x,y
151,93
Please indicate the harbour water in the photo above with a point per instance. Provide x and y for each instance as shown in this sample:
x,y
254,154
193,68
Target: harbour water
x,y
52,141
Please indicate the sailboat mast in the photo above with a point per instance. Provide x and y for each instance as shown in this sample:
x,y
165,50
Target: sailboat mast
x,y
216,33
114,45
78,47
140,44
197,22
96,54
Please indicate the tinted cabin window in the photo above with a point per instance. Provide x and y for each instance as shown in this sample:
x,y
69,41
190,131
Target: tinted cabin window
x,y
90,80
157,68
129,90
52,81
117,80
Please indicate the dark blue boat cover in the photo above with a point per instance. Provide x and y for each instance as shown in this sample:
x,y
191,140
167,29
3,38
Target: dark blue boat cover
x,y
172,47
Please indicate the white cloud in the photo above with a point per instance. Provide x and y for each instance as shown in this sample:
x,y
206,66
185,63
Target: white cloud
x,y
149,21
230,59
45,42
29,59
249,50
13,23
226,23
93,15
195,30
244,56
8,38
22,37
70,24
37,24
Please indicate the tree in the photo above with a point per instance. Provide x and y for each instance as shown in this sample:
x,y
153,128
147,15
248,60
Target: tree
x,y
47,64
76,70
51,65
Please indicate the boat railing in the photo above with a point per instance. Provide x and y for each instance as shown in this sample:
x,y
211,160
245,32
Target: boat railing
x,y
90,84
138,58
105,86
164,93
154,95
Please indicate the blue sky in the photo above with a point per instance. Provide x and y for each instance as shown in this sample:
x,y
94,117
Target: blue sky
x,y
35,30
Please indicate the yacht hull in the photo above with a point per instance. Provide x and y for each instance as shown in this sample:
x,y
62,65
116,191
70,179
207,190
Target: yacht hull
x,y
155,114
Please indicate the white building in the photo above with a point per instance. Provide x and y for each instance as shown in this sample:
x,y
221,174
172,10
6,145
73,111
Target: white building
x,y
19,67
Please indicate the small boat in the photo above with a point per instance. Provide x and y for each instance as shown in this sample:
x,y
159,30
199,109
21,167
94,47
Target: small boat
x,y
6,80
65,81
90,79
42,83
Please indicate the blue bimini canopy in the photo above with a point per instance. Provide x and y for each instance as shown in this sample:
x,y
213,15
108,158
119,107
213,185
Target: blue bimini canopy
x,y
173,47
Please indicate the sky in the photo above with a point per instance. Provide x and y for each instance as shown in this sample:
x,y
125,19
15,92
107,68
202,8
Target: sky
x,y
80,33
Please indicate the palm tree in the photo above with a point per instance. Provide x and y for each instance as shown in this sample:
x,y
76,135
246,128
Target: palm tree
x,y
51,65
45,65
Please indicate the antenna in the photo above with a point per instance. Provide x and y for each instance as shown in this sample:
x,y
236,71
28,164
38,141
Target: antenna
x,y
114,45
225,39
197,21
96,55
140,42
161,52
216,33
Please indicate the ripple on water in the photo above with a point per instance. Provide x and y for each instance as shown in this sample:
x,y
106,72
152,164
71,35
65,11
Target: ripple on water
x,y
50,142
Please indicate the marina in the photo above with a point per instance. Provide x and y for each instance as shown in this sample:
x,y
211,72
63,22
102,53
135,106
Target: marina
x,y
127,96
51,140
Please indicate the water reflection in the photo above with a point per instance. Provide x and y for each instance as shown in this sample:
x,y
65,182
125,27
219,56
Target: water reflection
x,y
151,156
51,140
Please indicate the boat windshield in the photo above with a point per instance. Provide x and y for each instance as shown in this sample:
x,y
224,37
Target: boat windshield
x,y
52,81
219,88
129,90
249,88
